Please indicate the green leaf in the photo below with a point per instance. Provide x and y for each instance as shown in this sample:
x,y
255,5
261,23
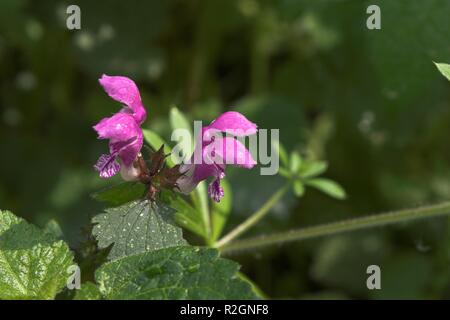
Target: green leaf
x,y
313,168
156,142
295,162
179,121
120,194
299,188
136,227
173,273
185,216
282,153
33,264
285,173
220,211
444,69
327,186
88,291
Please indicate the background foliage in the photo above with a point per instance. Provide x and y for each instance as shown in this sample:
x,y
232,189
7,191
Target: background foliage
x,y
371,103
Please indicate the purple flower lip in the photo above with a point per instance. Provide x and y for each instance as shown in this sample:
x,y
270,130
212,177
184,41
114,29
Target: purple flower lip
x,y
123,129
214,151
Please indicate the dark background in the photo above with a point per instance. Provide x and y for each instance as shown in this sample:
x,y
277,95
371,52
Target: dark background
x,y
370,102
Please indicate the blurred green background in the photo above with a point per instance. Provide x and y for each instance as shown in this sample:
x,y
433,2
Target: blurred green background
x,y
370,102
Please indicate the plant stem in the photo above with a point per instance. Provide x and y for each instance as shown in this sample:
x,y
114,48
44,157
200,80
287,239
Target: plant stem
x,y
254,218
340,226
200,199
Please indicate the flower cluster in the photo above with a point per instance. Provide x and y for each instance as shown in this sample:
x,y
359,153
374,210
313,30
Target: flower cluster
x,y
214,151
215,148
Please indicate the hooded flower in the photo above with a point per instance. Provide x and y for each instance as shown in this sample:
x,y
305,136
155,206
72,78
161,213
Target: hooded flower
x,y
214,151
122,129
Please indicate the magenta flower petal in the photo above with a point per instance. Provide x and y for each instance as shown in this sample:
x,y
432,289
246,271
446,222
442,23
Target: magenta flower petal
x,y
107,166
234,123
215,191
125,91
119,127
193,174
188,182
125,141
129,152
216,151
123,128
230,151
203,171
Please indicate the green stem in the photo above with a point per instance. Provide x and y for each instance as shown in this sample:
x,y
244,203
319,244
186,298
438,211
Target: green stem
x,y
200,199
254,218
340,226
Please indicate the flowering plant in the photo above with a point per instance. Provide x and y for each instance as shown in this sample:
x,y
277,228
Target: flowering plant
x,y
137,247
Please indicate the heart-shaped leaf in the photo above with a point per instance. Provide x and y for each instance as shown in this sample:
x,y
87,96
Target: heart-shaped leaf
x,y
136,227
173,273
33,264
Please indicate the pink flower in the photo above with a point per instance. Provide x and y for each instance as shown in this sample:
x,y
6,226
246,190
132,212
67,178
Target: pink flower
x,y
122,129
214,151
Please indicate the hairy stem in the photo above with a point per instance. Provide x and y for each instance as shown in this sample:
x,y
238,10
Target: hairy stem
x,y
339,227
254,218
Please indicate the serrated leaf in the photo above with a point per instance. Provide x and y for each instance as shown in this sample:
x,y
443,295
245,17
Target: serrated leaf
x,y
331,188
313,168
220,211
444,68
33,264
173,273
156,142
185,216
88,291
136,227
120,194
299,188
